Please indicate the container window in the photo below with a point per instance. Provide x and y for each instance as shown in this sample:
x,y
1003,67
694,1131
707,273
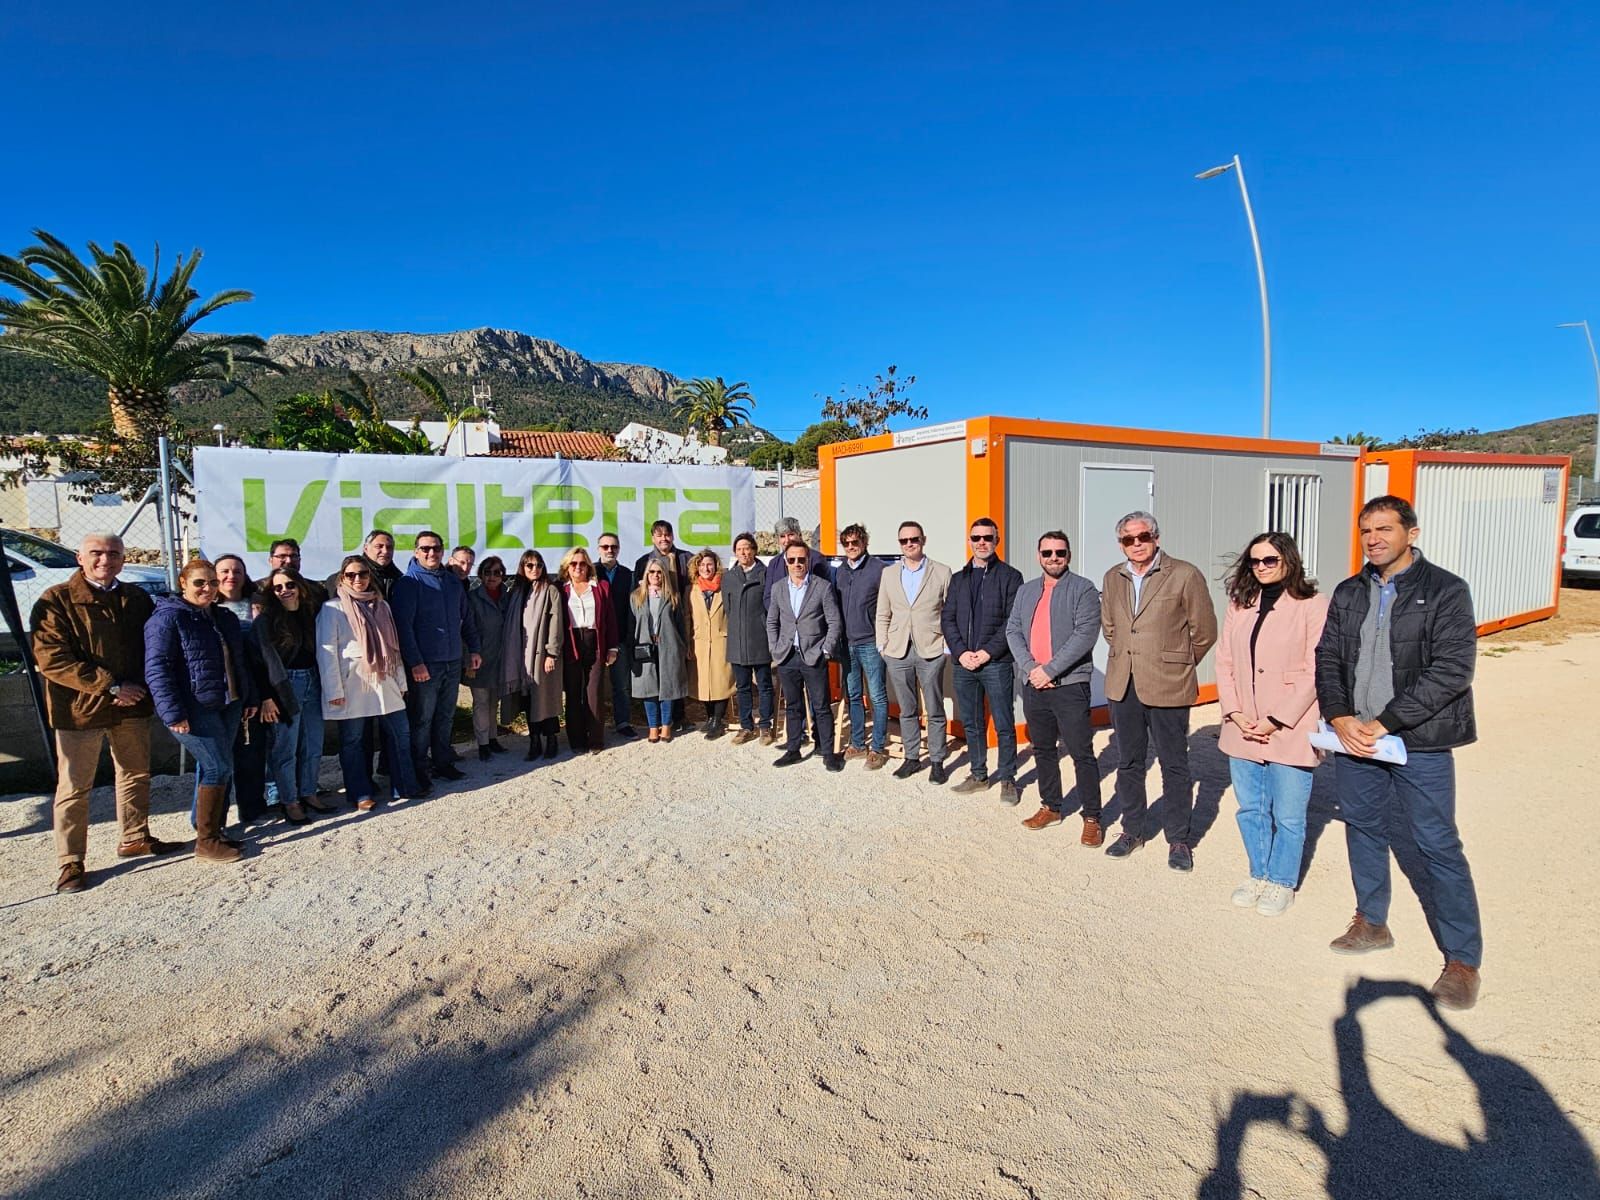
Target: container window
x,y
1588,526
1293,500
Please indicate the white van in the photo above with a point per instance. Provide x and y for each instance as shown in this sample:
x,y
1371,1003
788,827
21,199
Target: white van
x,y
35,564
1580,548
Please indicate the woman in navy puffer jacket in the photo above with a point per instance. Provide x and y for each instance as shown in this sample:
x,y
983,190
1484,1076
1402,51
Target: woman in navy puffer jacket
x,y
196,670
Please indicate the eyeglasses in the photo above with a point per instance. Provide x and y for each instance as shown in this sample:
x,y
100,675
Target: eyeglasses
x,y
852,541
610,546
358,574
492,573
203,584
980,537
430,549
795,561
1268,561
1054,553
283,588
910,541
1143,539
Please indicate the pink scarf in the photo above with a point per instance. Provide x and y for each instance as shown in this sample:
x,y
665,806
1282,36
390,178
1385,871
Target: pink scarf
x,y
372,624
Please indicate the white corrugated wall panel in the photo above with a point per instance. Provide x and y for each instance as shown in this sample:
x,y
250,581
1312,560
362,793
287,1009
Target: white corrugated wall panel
x,y
1377,481
1491,525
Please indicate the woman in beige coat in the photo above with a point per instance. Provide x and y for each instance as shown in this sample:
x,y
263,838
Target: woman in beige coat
x,y
534,627
713,676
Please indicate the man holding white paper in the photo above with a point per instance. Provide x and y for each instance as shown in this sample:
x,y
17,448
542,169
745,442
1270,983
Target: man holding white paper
x,y
1396,657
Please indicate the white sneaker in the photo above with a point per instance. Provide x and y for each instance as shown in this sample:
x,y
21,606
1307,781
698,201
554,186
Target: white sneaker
x,y
1248,893
1275,900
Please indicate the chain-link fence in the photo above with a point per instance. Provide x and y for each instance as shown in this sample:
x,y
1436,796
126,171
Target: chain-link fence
x,y
804,504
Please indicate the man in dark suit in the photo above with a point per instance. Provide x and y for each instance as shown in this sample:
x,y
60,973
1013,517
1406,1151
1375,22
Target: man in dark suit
x,y
620,581
804,629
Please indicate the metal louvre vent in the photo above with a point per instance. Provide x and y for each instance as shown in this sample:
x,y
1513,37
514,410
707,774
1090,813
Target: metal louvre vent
x,y
1293,505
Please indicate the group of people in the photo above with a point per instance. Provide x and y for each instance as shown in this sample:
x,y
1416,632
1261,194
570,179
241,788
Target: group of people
x,y
245,674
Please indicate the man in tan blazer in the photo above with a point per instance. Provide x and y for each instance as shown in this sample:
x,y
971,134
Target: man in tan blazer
x,y
1159,622
911,600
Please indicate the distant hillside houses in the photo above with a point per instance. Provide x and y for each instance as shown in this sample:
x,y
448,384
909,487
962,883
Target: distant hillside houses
x,y
636,442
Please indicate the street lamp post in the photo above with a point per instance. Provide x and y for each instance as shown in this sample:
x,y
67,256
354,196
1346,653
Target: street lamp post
x,y
1595,359
1261,277
219,429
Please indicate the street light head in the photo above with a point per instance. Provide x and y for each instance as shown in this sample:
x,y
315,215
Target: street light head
x,y
1215,171
1572,325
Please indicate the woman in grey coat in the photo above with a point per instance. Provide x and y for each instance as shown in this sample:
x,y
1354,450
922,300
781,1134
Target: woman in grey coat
x,y
531,652
491,602
660,671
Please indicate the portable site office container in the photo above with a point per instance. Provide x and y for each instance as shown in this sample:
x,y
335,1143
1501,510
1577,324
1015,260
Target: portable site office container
x,y
1210,495
1493,519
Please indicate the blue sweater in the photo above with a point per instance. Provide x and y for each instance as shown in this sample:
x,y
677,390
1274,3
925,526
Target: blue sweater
x,y
183,665
432,616
858,598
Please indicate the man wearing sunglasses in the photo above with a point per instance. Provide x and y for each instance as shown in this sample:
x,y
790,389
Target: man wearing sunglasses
x,y
981,596
434,620
619,580
858,579
1052,631
804,629
910,635
1159,622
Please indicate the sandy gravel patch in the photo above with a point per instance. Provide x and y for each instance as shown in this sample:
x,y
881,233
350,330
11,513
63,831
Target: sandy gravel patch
x,y
675,971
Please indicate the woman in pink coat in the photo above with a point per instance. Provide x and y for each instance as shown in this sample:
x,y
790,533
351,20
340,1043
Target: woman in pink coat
x,y
1267,688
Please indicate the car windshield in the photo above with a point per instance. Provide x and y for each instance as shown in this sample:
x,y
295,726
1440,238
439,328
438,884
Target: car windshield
x,y
46,554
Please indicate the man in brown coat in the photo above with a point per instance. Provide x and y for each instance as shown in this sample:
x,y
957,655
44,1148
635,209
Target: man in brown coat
x,y
88,640
1159,622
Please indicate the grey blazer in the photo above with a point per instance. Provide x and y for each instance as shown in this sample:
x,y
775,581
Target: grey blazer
x,y
820,625
1074,629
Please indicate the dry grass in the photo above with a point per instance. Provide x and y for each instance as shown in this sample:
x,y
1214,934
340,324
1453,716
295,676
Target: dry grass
x,y
1579,613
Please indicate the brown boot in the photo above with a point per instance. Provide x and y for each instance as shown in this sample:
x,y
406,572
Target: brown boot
x,y
148,845
1457,987
208,845
73,878
1362,937
1043,819
1092,834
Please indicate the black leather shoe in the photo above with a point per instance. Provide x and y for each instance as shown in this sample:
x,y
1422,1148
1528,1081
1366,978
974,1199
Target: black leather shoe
x,y
909,768
484,752
495,747
716,730
1180,857
626,731
788,758
1125,845
449,771
936,773
834,762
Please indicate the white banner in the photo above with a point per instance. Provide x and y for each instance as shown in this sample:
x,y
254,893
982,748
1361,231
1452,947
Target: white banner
x,y
328,503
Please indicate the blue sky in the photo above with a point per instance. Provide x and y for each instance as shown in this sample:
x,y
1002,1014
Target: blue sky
x,y
998,198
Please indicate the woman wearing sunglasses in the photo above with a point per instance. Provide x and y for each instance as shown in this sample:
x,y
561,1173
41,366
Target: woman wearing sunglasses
x,y
284,637
363,675
531,655
1267,688
490,602
660,673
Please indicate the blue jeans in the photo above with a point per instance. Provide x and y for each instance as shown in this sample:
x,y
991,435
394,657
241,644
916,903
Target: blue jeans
x,y
1272,817
621,673
432,709
993,680
1424,790
657,713
295,757
355,761
753,685
866,661
210,743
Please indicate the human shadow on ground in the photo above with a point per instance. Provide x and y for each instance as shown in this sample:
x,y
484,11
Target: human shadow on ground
x,y
1529,1148
376,1109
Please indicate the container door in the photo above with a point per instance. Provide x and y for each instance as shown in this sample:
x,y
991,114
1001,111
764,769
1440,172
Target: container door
x,y
1109,493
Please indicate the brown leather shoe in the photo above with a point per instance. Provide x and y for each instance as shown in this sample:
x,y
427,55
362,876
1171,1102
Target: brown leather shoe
x,y
149,845
1457,987
1043,819
876,760
1362,937
768,737
1092,834
851,752
72,878
743,736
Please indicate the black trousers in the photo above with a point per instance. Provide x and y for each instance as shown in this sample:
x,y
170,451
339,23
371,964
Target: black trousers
x,y
1058,717
802,683
1136,724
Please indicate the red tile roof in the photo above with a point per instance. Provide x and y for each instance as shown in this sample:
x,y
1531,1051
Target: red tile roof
x,y
532,443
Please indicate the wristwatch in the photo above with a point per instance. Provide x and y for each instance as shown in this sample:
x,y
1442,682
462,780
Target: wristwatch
x,y
113,690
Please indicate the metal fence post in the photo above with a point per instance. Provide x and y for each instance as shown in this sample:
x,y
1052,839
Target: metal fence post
x,y
781,513
168,527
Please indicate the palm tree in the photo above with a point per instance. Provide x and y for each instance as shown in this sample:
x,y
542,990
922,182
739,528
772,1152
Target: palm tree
x,y
111,317
428,384
1370,441
712,405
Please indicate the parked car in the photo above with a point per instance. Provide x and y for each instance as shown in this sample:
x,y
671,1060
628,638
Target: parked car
x,y
1580,548
35,564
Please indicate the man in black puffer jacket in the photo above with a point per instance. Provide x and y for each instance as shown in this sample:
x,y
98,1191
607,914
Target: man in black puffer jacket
x,y
1396,657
